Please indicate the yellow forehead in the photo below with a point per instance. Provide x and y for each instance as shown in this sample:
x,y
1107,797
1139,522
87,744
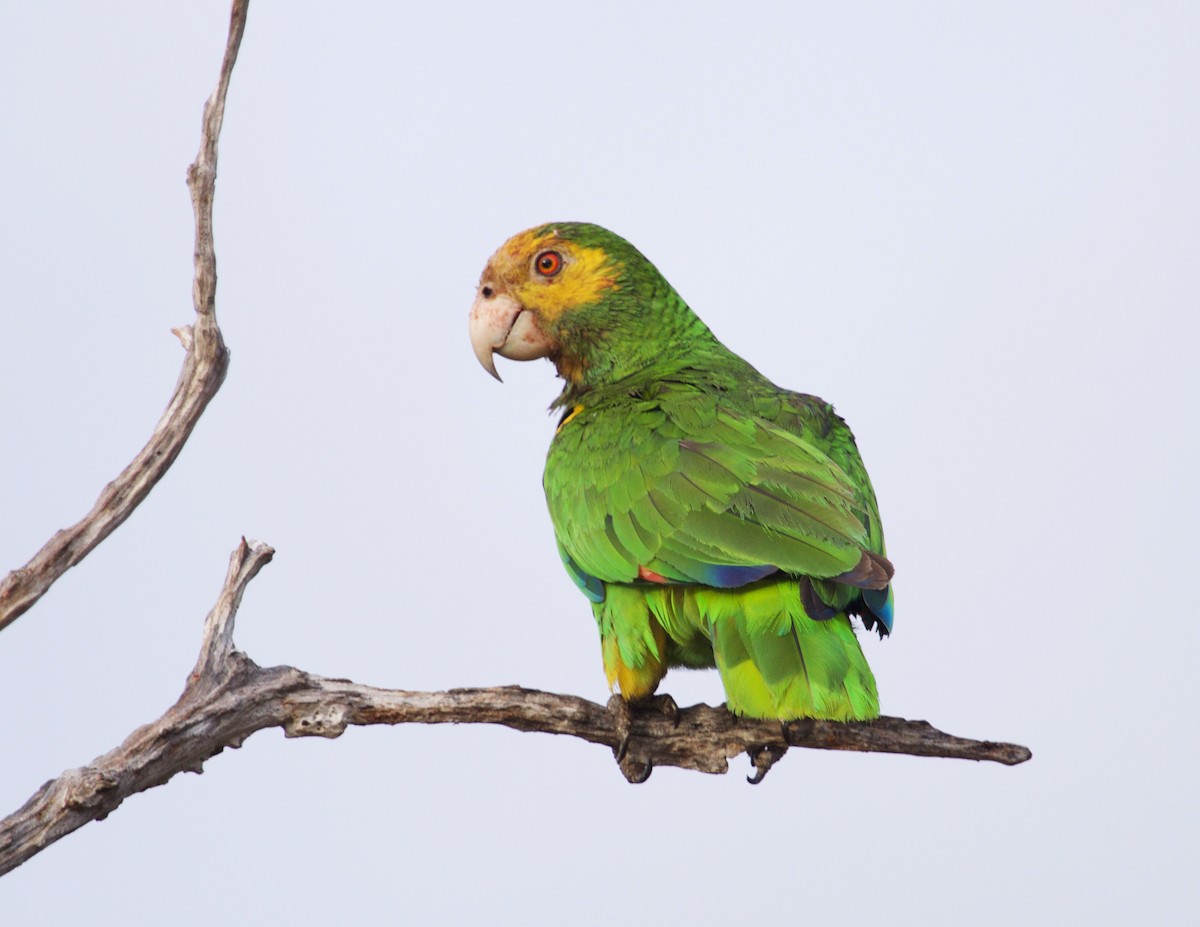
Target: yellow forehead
x,y
585,276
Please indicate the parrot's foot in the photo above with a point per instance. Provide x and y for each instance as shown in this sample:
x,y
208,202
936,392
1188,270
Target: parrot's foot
x,y
633,770
665,706
763,759
623,712
635,773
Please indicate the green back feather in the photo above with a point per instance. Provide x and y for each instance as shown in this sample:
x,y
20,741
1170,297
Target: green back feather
x,y
680,458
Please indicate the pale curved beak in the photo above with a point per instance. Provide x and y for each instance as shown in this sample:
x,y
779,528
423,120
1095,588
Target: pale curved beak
x,y
501,325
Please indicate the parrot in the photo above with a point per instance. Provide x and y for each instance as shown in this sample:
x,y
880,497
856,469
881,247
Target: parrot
x,y
711,518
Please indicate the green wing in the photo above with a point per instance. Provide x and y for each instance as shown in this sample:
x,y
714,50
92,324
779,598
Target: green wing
x,y
678,484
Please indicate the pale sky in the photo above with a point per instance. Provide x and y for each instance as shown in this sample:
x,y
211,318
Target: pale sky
x,y
973,227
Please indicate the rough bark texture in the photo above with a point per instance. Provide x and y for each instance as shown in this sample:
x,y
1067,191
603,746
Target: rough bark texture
x,y
203,371
228,697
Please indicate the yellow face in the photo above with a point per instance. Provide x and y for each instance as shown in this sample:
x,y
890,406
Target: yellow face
x,y
529,283
549,275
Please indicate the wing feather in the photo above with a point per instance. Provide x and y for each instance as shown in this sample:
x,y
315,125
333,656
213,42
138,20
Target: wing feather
x,y
700,492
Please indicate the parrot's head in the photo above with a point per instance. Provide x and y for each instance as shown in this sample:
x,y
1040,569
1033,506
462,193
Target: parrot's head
x,y
581,296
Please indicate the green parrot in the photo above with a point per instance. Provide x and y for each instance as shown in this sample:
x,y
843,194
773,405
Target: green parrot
x,y
712,518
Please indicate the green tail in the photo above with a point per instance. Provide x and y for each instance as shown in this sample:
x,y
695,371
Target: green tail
x,y
775,661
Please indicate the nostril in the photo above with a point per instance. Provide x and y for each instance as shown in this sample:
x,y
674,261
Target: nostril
x,y
487,292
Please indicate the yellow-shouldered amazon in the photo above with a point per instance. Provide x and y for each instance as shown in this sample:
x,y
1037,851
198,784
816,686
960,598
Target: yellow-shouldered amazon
x,y
712,518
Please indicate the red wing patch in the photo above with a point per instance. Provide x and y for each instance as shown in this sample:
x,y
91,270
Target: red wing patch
x,y
651,577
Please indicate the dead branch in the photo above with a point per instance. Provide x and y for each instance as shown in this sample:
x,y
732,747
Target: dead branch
x,y
204,366
228,697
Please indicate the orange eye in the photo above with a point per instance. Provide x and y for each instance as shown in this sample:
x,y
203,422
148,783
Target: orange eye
x,y
548,263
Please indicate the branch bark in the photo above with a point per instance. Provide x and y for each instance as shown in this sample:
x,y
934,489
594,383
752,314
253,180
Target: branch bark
x,y
228,697
204,367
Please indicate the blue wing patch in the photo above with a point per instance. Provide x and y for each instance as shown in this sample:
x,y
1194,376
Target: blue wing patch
x,y
730,577
881,602
588,584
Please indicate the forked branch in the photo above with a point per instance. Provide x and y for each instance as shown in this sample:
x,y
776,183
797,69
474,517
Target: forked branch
x,y
228,697
204,365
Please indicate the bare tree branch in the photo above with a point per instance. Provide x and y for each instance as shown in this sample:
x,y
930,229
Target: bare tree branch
x,y
228,697
203,371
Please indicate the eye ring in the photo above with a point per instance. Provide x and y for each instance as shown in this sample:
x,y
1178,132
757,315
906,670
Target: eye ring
x,y
548,263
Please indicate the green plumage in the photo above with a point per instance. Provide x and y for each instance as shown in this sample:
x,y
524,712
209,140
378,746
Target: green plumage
x,y
713,518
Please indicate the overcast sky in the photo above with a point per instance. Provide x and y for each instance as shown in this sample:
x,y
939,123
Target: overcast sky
x,y
973,227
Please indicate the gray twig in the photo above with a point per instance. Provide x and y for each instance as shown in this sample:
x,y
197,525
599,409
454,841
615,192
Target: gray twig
x,y
228,697
204,365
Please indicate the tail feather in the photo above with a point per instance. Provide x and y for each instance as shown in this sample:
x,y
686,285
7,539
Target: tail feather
x,y
881,605
776,659
778,662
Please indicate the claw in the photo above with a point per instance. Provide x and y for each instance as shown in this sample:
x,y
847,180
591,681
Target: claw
x,y
763,759
623,723
622,712
760,773
668,708
637,773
